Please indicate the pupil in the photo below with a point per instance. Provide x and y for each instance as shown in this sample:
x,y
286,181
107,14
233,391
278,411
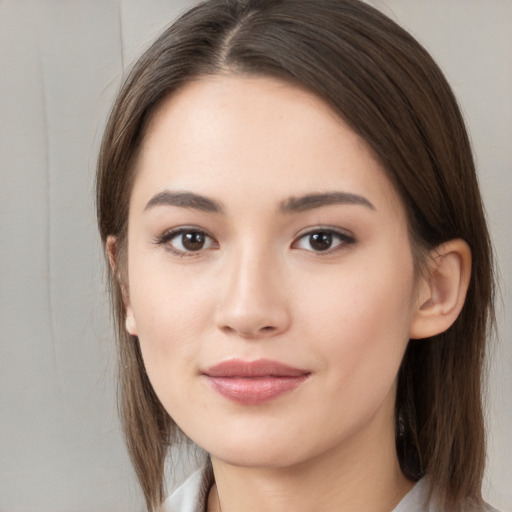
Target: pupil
x,y
321,241
193,241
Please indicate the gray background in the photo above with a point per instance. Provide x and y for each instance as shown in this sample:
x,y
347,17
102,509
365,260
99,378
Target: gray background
x,y
61,63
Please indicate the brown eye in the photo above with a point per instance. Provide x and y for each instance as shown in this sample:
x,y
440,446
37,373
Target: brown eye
x,y
184,241
193,241
320,241
323,240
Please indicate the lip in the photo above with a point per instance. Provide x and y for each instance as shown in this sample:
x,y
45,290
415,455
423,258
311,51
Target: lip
x,y
254,382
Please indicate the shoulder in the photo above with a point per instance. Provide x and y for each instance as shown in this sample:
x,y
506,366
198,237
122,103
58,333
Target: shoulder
x,y
191,495
489,508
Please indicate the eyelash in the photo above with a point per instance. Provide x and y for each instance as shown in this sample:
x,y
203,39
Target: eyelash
x,y
169,236
166,239
344,239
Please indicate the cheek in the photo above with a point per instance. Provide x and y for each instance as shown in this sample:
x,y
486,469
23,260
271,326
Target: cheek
x,y
360,320
172,310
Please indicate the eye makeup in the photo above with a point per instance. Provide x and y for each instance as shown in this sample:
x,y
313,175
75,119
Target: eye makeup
x,y
190,241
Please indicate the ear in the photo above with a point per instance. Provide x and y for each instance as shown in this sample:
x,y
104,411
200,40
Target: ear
x,y
112,249
442,292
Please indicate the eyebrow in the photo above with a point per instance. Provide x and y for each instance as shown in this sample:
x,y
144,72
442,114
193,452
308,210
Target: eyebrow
x,y
311,201
184,200
291,205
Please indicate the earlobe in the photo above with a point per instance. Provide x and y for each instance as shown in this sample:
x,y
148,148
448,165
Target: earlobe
x,y
111,249
442,292
130,323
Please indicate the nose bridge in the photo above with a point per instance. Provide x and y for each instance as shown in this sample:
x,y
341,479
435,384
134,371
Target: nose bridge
x,y
253,303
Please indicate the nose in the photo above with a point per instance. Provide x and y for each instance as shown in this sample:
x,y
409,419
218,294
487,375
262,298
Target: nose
x,y
253,303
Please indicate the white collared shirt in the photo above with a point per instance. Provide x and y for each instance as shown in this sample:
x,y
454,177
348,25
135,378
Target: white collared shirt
x,y
192,495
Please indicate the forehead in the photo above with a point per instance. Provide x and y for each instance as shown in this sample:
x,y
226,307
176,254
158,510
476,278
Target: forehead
x,y
254,137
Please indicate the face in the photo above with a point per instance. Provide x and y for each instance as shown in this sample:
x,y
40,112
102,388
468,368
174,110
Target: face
x,y
270,277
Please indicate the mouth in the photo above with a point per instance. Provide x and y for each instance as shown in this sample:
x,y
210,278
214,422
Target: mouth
x,y
254,382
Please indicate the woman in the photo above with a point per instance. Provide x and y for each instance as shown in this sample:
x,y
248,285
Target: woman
x,y
300,265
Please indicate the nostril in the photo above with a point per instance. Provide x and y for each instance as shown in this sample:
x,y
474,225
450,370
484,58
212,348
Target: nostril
x,y
250,333
251,320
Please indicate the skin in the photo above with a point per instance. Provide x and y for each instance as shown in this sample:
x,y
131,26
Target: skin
x,y
259,289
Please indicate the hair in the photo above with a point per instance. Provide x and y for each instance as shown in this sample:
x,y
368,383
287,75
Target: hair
x,y
388,89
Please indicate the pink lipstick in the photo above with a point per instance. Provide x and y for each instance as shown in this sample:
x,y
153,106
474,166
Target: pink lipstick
x,y
254,382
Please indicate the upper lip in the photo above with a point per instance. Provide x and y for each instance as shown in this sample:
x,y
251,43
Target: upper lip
x,y
259,368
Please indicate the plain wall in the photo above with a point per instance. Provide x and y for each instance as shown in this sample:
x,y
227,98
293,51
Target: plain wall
x,y
61,63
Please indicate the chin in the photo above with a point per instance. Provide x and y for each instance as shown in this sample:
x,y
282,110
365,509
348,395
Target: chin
x,y
255,458
252,451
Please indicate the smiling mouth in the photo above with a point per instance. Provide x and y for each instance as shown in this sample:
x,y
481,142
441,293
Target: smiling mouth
x,y
254,382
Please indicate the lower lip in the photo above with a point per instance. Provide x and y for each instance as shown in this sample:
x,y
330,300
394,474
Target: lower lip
x,y
254,390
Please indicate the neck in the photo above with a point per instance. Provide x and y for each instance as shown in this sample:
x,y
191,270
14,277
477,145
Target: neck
x,y
362,473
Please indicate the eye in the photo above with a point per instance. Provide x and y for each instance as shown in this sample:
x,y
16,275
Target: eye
x,y
322,240
184,241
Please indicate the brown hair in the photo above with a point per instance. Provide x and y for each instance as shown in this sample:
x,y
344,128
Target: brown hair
x,y
390,91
